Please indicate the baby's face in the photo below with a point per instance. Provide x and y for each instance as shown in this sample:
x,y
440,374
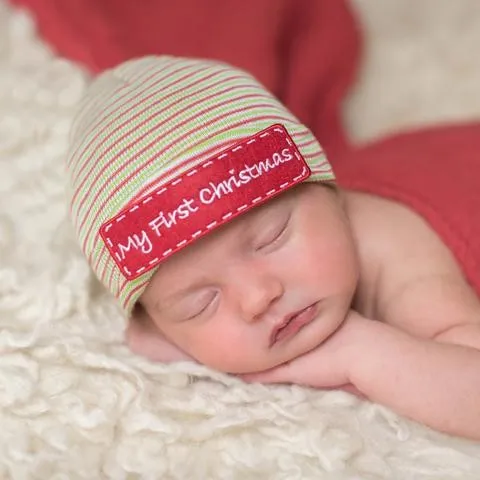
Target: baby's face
x,y
262,290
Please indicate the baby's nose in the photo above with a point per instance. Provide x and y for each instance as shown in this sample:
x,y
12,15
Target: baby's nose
x,y
258,292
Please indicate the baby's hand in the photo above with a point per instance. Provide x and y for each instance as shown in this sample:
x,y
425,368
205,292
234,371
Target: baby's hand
x,y
326,366
145,339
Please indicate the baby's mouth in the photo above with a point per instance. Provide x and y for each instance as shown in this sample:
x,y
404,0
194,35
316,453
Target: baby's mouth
x,y
293,323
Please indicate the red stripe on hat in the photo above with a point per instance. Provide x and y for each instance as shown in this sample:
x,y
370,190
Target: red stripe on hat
x,y
311,142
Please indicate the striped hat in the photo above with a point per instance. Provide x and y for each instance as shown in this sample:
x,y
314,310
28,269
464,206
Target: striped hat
x,y
165,149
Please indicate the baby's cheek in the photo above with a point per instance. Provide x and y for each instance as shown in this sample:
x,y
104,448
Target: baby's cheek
x,y
226,351
221,354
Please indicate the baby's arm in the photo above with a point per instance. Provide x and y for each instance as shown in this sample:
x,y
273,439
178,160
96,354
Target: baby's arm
x,y
434,383
410,362
429,381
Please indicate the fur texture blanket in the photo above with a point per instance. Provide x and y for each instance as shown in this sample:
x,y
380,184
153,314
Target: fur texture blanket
x,y
75,404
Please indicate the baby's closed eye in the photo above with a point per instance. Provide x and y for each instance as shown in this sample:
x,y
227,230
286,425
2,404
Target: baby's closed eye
x,y
272,234
195,305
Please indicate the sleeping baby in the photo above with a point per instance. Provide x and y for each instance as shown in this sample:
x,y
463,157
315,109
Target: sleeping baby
x,y
213,216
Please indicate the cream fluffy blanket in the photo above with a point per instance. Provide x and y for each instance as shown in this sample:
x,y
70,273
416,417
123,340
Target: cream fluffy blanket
x,y
75,404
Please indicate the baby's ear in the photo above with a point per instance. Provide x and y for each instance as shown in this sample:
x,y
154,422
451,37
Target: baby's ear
x,y
140,315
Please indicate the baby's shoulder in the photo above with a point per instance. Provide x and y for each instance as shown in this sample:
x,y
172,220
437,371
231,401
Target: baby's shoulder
x,y
396,231
415,273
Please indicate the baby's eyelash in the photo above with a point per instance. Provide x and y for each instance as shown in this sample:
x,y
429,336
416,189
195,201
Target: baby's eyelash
x,y
203,309
275,236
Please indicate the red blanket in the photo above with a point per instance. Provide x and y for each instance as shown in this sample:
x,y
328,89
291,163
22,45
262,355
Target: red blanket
x,y
305,51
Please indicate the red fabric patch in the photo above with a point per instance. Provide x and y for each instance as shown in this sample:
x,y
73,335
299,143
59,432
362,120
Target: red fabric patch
x,y
202,199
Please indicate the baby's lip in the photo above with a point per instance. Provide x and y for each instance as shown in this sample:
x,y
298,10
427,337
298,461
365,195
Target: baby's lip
x,y
286,321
